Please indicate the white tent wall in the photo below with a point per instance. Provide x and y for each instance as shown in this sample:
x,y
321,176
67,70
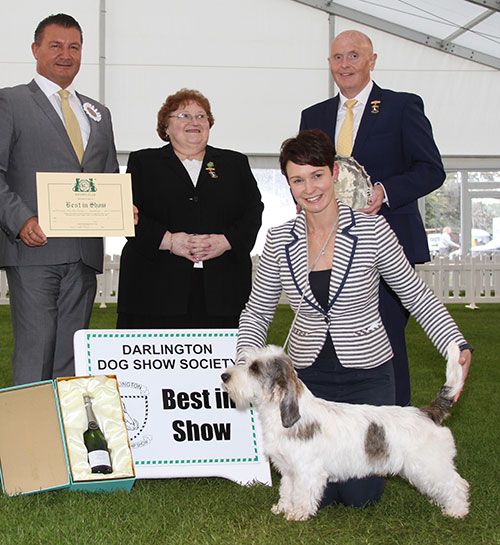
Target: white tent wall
x,y
260,63
253,60
17,26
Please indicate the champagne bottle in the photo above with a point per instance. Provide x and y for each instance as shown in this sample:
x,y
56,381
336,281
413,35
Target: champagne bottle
x,y
95,442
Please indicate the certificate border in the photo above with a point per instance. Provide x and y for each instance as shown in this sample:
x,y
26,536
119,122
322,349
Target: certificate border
x,y
46,180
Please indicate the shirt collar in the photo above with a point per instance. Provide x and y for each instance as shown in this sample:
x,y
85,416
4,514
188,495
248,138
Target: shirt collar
x,y
361,97
50,88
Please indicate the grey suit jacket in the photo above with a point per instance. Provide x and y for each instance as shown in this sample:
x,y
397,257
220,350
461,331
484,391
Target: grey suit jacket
x,y
366,249
33,139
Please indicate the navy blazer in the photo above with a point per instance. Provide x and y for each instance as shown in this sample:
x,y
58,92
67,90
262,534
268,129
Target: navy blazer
x,y
366,249
396,146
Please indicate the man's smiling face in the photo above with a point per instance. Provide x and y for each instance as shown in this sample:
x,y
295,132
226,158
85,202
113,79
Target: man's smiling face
x,y
58,54
351,61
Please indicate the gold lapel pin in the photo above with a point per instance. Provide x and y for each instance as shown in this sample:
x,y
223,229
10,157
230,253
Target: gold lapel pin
x,y
210,168
375,106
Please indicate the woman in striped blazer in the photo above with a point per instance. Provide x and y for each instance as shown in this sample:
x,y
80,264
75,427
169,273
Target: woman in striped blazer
x,y
329,260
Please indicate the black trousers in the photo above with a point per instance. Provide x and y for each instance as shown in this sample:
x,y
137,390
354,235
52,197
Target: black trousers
x,y
395,317
327,379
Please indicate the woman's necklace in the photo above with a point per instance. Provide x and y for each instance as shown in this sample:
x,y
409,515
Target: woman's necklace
x,y
325,244
197,155
321,252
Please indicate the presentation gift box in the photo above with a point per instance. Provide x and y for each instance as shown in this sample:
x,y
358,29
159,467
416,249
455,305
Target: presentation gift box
x,y
41,436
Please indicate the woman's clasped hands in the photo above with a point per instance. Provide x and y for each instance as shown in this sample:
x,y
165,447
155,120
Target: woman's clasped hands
x,y
195,247
205,247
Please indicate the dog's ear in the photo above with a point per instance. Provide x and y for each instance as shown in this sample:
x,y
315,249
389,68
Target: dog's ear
x,y
289,409
286,380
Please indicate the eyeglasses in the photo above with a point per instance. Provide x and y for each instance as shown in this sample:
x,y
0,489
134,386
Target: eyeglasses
x,y
183,116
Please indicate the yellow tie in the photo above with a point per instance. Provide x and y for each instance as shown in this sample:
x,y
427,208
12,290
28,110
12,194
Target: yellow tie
x,y
72,125
344,143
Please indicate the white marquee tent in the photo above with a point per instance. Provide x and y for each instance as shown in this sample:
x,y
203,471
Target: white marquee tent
x,y
260,62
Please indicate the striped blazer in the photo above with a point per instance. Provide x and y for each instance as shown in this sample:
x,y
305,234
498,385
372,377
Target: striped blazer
x,y
366,249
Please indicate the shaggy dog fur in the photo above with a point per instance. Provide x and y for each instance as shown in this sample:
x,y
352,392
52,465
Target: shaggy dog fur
x,y
311,441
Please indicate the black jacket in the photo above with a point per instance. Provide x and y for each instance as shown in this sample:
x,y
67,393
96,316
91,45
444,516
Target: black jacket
x,y
155,282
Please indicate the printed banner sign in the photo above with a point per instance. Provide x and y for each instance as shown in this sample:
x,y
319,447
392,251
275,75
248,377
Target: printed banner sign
x,y
181,423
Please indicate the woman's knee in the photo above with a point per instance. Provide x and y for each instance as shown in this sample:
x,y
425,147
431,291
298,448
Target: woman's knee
x,y
362,492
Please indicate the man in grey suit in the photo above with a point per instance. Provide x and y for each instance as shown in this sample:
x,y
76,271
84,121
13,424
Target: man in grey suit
x,y
52,282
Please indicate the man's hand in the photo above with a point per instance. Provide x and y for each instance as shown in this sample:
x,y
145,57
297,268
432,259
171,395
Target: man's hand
x,y
375,201
31,233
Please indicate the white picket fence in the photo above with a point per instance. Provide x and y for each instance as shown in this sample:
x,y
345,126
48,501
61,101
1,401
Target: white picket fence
x,y
107,283
468,280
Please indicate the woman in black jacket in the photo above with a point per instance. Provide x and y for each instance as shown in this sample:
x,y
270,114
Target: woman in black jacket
x,y
200,210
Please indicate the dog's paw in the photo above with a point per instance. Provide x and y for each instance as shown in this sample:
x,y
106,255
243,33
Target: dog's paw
x,y
299,514
277,508
281,507
457,512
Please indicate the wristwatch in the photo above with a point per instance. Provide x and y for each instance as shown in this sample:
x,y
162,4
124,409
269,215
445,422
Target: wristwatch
x,y
466,346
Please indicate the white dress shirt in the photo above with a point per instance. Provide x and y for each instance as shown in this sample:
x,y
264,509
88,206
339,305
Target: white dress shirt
x,y
357,111
50,90
193,167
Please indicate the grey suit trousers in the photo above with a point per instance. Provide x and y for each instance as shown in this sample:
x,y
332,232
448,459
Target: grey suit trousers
x,y
48,304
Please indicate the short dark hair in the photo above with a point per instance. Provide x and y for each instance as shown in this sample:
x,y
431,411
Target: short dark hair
x,y
311,147
60,19
174,102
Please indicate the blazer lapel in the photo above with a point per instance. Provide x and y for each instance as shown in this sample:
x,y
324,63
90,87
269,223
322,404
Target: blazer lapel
x,y
93,127
297,258
208,172
345,246
367,120
329,121
47,108
176,165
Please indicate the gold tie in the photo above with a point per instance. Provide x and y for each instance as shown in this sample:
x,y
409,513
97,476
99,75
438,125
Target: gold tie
x,y
344,143
72,125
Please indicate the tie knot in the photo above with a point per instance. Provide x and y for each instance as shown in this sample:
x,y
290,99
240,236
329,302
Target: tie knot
x,y
63,93
350,103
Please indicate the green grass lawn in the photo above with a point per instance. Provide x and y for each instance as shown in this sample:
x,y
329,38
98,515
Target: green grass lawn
x,y
217,511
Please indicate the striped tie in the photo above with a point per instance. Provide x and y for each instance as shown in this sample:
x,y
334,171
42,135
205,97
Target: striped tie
x,y
72,125
344,143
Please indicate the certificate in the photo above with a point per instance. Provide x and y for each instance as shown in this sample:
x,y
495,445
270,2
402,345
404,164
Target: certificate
x,y
84,204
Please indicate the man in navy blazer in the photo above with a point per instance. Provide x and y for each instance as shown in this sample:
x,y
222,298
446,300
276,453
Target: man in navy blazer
x,y
393,140
52,282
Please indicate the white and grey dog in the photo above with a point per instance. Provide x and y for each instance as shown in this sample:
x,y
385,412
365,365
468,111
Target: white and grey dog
x,y
311,441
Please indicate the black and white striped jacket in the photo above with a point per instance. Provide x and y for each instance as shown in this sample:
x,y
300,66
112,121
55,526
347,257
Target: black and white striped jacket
x,y
366,249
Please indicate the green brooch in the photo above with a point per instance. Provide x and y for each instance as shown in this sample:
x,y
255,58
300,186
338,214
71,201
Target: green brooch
x,y
210,168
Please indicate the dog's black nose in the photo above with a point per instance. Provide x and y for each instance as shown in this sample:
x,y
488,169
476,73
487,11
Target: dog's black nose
x,y
225,377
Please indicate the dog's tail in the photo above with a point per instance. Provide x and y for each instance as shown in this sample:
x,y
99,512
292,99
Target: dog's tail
x,y
438,409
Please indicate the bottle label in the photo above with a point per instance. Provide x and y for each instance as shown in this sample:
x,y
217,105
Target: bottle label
x,y
99,458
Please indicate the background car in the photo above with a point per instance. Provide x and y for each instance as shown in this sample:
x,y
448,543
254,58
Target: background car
x,y
479,238
490,248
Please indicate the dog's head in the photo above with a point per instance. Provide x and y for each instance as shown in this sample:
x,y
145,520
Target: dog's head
x,y
266,375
